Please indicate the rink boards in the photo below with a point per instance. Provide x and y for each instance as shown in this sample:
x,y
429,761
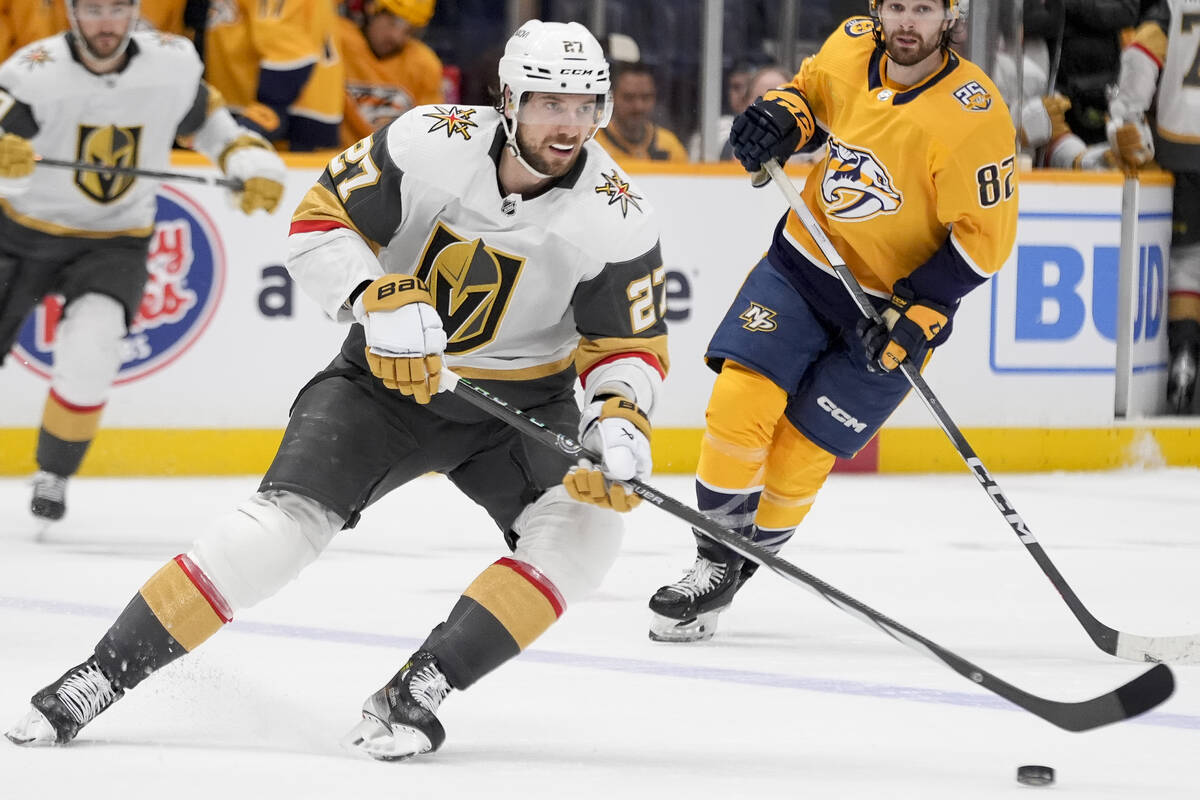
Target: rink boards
x,y
225,339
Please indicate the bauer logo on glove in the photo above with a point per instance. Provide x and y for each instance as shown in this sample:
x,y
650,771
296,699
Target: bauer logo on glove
x,y
404,334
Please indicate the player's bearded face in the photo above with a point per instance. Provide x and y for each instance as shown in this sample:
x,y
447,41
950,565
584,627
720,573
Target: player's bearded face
x,y
912,29
552,129
103,24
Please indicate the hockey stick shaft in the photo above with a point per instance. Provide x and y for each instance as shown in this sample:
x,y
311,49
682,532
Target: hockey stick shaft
x,y
228,183
1135,697
1179,649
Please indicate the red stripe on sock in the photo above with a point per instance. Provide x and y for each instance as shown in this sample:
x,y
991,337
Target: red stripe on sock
x,y
78,409
540,582
205,587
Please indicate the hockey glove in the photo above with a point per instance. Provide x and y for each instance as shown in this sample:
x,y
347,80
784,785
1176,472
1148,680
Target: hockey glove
x,y
1131,142
255,163
620,432
404,335
907,328
770,128
16,165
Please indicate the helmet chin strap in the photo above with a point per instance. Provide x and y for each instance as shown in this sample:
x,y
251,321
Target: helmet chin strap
x,y
510,133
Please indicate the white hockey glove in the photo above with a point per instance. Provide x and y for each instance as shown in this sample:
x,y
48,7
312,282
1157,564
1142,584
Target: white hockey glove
x,y
619,432
260,169
1131,141
1043,119
16,165
404,334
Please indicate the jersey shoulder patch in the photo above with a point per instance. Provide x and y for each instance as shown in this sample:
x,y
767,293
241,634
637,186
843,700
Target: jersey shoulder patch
x,y
35,65
858,26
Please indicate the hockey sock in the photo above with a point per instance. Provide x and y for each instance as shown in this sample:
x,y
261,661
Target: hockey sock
x,y
501,613
66,433
796,470
174,613
743,412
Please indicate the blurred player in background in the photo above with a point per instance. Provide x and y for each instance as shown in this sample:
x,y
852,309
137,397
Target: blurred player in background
x,y
918,194
509,243
98,94
388,69
277,65
1155,114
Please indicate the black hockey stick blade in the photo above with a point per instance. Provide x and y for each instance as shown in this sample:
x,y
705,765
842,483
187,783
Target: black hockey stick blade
x,y
1163,649
1136,697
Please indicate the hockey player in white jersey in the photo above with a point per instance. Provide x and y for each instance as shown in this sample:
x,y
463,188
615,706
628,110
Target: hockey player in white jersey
x,y
103,95
507,245
1155,114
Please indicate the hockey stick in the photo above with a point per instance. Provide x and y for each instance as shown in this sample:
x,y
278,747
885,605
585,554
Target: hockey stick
x,y
1135,697
228,183
1173,649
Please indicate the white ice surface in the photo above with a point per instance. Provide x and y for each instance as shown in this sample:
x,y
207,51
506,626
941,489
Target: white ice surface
x,y
793,699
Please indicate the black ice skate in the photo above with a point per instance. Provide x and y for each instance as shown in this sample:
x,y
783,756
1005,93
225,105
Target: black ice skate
x,y
49,502
65,706
686,611
399,721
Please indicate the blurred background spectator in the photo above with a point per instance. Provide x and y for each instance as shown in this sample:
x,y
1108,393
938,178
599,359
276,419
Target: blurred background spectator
x,y
632,132
388,69
277,65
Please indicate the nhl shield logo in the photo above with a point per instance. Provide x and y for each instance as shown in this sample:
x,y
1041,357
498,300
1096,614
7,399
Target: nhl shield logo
x,y
108,146
471,284
185,276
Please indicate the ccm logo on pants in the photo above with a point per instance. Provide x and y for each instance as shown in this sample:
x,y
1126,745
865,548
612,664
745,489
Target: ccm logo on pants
x,y
840,415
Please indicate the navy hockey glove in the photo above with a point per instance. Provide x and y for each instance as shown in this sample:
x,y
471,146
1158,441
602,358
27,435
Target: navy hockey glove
x,y
770,128
907,328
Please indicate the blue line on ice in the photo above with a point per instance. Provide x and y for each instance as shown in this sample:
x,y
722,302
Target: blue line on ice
x,y
612,664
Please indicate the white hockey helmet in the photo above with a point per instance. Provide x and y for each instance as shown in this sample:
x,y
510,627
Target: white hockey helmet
x,y
104,62
560,57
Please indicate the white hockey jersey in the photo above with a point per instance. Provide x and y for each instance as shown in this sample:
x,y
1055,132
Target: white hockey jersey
x,y
527,287
126,118
1178,107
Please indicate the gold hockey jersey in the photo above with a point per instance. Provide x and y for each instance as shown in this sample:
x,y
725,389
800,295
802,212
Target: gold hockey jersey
x,y
246,35
913,176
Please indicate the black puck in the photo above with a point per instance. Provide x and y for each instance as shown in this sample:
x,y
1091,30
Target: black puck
x,y
1035,775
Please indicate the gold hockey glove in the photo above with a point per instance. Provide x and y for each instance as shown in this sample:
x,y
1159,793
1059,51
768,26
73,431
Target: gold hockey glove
x,y
619,431
261,171
907,328
16,165
404,335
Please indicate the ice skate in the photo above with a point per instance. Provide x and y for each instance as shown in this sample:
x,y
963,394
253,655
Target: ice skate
x,y
59,711
399,721
49,502
686,611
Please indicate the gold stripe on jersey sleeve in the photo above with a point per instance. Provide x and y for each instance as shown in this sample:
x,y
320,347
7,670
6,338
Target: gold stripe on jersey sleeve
x,y
321,205
592,351
62,230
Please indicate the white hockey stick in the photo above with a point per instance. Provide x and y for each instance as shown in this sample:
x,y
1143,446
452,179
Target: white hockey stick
x,y
1170,649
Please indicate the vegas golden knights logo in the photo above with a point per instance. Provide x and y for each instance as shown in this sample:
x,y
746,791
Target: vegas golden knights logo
x,y
109,146
471,285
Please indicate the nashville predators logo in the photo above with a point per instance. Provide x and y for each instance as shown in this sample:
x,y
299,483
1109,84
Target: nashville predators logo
x,y
109,146
859,26
471,284
618,192
973,96
452,120
856,186
758,318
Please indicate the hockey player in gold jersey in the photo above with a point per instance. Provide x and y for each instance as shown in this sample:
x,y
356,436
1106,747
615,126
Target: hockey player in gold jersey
x,y
388,70
917,192
277,65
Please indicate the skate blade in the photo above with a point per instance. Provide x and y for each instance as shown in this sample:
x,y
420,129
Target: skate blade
x,y
32,730
696,629
372,737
